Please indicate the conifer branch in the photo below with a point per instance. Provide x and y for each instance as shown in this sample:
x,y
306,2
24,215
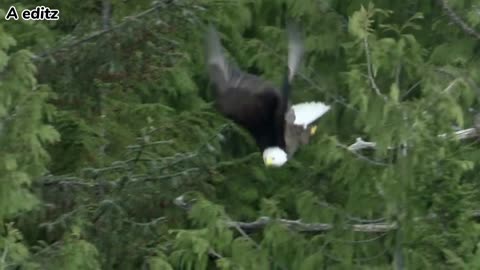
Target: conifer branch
x,y
99,33
457,20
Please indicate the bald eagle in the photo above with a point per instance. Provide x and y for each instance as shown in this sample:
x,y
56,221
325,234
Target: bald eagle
x,y
255,104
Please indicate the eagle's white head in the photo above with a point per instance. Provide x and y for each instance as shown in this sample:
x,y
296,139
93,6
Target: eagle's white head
x,y
274,157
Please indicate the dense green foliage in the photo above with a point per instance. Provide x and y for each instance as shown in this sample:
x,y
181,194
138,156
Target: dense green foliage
x,y
114,158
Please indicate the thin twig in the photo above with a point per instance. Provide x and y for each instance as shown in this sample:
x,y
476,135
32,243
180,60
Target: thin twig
x,y
148,223
4,257
411,89
369,68
457,20
214,254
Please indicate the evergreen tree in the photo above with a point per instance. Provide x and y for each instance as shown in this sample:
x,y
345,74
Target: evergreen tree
x,y
114,157
23,136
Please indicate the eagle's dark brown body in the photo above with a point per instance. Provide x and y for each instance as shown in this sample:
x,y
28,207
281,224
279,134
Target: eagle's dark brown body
x,y
257,106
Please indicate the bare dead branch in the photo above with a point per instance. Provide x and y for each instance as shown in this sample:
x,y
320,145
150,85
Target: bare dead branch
x,y
297,225
360,156
360,144
463,134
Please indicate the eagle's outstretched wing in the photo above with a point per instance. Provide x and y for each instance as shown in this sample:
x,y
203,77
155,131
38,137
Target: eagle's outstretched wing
x,y
247,99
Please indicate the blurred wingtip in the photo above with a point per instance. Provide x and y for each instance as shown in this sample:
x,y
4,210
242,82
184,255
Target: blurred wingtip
x,y
216,63
295,48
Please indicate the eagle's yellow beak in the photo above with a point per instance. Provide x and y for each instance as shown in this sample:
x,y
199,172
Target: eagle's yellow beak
x,y
268,161
313,130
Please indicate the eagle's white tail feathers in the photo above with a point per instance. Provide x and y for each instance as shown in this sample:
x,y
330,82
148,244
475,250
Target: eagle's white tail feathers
x,y
307,112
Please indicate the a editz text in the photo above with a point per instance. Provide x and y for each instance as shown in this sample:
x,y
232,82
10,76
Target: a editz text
x,y
39,13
